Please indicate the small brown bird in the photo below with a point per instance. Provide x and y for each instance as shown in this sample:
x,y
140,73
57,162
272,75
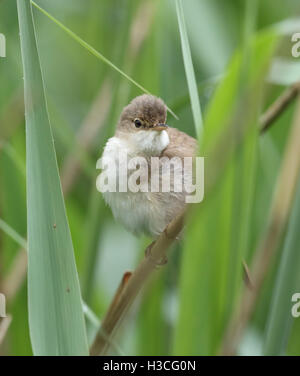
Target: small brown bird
x,y
142,132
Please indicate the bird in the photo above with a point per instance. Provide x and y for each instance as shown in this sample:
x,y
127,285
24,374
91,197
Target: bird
x,y
142,132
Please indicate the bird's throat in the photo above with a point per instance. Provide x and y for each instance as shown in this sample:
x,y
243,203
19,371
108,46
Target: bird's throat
x,y
149,142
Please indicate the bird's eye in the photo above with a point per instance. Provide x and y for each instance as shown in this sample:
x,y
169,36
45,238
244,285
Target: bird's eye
x,y
137,123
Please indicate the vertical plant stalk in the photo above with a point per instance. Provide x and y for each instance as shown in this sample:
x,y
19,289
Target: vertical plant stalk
x,y
280,320
155,254
189,70
279,213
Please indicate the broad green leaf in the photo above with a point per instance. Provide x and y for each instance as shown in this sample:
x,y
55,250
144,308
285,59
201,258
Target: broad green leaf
x,y
217,236
55,312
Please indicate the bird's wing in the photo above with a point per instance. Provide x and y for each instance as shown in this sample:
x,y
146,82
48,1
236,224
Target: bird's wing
x,y
181,145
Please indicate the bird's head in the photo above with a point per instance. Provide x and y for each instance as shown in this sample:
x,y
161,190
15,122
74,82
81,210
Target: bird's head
x,y
143,113
143,124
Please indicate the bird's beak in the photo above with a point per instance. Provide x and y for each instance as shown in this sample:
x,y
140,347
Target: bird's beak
x,y
160,127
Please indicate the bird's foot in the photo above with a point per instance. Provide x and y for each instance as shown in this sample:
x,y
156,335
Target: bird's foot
x,y
149,256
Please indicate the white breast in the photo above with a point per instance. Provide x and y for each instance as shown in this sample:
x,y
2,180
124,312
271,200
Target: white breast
x,y
139,212
149,142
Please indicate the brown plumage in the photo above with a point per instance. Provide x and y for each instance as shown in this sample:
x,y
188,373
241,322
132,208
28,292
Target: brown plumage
x,y
142,132
181,144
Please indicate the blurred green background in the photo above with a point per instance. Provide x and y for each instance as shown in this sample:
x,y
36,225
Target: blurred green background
x,y
85,98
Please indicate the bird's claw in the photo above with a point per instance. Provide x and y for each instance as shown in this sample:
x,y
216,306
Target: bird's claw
x,y
149,256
